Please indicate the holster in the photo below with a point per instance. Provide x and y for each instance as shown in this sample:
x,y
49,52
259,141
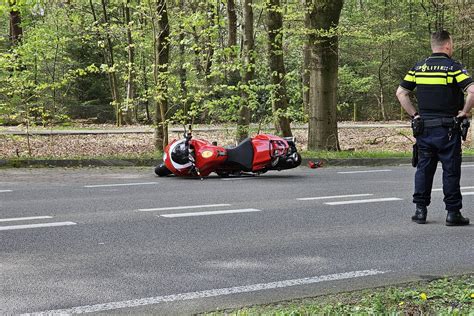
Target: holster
x,y
414,157
417,126
465,124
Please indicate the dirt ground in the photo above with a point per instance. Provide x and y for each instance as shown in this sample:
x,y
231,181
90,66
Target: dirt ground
x,y
367,138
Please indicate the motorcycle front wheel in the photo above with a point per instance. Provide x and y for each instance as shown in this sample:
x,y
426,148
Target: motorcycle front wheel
x,y
162,171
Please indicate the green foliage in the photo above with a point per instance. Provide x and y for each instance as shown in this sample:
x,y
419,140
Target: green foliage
x,y
61,68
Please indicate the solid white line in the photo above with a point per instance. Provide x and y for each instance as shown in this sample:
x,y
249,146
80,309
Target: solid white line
x,y
97,308
5,191
332,197
247,210
364,171
23,218
14,227
118,185
363,201
468,193
180,207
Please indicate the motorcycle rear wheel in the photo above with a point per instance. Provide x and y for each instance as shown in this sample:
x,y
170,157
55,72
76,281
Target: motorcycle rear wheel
x,y
162,171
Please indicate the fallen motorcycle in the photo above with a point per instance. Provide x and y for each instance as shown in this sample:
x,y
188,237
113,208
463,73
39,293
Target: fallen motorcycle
x,y
257,155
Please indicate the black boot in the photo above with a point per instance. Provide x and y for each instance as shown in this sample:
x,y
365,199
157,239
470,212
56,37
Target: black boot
x,y
456,219
420,215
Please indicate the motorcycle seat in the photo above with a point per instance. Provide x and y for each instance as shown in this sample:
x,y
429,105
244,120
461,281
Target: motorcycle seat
x,y
242,155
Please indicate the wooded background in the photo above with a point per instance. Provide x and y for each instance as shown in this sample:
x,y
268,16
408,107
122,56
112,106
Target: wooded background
x,y
168,62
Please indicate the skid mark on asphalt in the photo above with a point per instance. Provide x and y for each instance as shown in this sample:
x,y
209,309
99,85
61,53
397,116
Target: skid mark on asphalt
x,y
213,293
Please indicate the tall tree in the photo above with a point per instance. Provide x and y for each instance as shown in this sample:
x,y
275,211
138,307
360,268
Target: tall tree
x,y
234,75
130,108
323,43
16,30
162,50
248,55
116,97
277,67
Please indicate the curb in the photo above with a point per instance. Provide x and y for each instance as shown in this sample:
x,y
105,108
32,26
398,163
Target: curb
x,y
347,162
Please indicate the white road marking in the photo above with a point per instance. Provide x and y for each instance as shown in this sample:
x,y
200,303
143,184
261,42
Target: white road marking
x,y
97,308
363,201
364,171
467,193
23,218
462,188
246,210
462,166
14,227
118,185
333,197
241,178
180,207
5,191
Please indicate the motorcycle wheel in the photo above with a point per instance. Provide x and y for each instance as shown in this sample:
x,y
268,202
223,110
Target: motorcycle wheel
x,y
162,171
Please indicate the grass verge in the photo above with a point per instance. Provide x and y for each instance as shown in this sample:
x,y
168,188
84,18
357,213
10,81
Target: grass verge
x,y
447,296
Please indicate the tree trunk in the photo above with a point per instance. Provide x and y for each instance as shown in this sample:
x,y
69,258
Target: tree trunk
x,y
324,16
234,75
130,108
182,68
16,31
306,62
249,71
113,75
160,73
277,67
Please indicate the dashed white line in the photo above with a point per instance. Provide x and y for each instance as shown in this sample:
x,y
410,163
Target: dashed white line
x,y
180,207
118,185
462,166
5,191
241,178
23,218
363,201
467,193
247,210
97,308
364,171
333,197
462,188
14,227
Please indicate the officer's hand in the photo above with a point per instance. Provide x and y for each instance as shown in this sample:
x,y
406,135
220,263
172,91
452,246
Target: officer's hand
x,y
462,114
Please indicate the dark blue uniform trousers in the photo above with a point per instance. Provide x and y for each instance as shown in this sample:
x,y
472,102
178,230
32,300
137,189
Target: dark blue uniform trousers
x,y
435,145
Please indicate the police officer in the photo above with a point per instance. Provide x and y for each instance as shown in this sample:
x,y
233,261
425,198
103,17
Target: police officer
x,y
440,82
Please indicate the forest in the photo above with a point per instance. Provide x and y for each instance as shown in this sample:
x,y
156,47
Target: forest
x,y
163,62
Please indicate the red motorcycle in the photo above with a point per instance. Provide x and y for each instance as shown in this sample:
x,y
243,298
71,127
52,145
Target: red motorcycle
x,y
198,157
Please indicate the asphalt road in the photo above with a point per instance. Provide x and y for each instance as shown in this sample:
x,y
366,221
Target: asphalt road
x,y
120,240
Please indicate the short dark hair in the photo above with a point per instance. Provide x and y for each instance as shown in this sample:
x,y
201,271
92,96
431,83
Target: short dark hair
x,y
440,37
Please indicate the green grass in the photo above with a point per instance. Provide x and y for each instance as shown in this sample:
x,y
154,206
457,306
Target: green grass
x,y
448,296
